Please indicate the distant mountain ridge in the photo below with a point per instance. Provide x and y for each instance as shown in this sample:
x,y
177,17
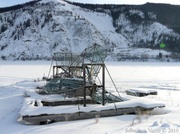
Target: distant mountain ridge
x,y
37,29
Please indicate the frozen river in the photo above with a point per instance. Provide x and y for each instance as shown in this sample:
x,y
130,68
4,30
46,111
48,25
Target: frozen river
x,y
124,74
135,74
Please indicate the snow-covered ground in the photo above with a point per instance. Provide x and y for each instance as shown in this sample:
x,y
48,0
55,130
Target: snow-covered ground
x,y
16,77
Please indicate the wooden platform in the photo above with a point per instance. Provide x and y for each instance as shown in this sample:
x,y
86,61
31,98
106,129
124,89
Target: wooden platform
x,y
45,111
45,119
140,92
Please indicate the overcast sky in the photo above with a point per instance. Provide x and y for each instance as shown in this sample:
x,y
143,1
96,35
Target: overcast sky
x,y
4,3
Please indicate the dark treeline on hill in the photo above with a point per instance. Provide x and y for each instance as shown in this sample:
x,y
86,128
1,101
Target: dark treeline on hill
x,y
15,7
166,14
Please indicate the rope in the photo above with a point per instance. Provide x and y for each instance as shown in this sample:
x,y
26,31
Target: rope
x,y
112,81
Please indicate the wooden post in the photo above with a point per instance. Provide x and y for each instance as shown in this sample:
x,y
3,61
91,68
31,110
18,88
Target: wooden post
x,y
85,66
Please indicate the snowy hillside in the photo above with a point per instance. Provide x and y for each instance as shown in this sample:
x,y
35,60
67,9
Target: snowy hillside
x,y
37,31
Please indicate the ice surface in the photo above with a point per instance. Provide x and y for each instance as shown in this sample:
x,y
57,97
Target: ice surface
x,y
154,75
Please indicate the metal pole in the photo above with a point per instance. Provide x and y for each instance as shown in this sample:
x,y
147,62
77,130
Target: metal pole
x,y
50,69
103,84
53,71
84,80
